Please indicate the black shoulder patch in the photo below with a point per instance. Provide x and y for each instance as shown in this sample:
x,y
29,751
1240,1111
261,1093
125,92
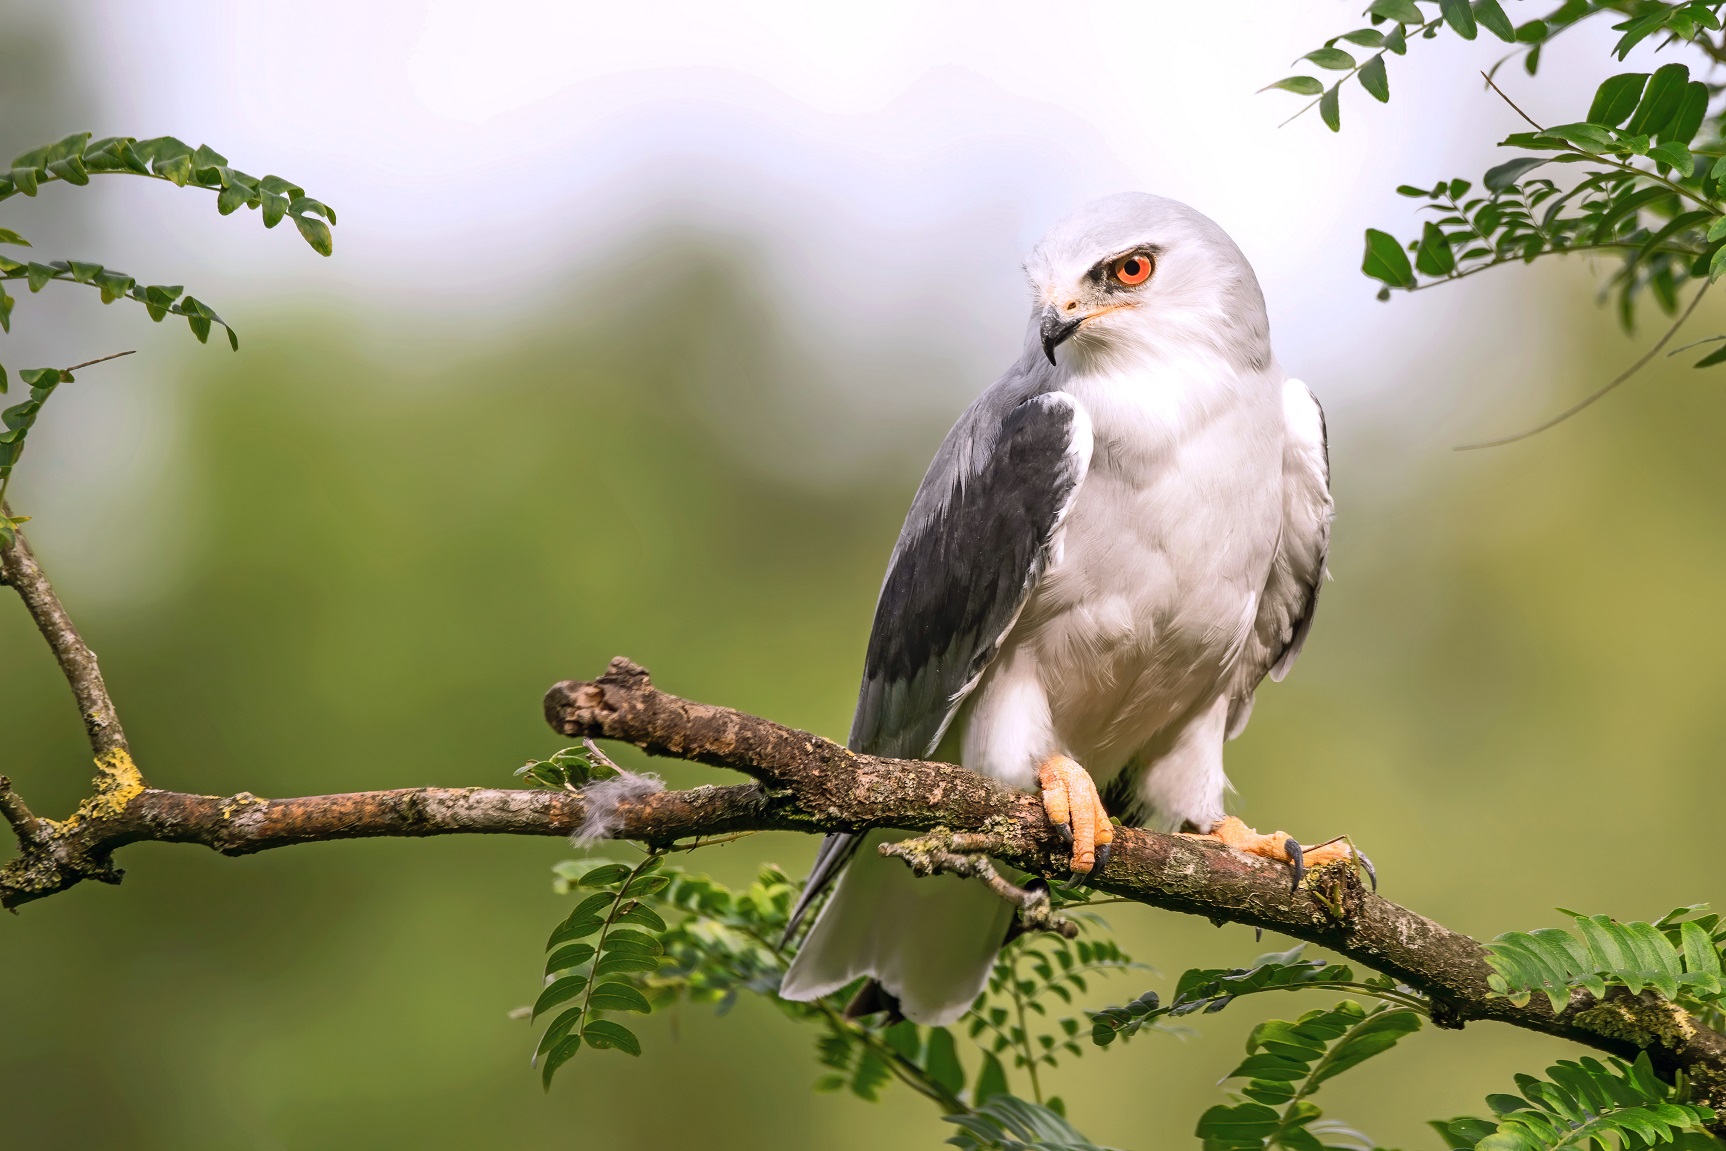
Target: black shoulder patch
x,y
961,575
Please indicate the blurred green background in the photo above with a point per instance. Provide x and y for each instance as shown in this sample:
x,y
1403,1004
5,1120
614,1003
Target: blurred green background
x,y
379,541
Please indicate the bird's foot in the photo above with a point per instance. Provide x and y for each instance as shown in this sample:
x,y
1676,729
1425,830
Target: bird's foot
x,y
1283,848
1072,804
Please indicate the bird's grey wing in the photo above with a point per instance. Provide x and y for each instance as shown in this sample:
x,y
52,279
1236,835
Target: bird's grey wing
x,y
1290,594
974,544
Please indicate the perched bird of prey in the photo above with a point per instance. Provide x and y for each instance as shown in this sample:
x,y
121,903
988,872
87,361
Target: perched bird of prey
x,y
1113,546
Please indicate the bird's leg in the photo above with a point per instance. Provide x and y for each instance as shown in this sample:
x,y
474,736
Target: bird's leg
x,y
1072,804
1284,848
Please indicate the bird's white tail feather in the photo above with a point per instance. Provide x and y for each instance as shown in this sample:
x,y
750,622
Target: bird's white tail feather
x,y
930,942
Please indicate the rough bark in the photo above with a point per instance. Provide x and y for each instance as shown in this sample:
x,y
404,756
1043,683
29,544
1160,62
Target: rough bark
x,y
18,567
806,783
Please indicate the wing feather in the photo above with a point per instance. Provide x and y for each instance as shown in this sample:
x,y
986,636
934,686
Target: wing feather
x,y
1290,596
977,539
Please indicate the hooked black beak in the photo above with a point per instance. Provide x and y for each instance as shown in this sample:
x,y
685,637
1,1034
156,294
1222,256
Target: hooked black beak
x,y
1056,330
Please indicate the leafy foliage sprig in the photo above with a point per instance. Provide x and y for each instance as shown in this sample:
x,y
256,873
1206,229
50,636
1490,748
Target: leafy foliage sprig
x,y
1677,956
1650,184
74,160
1287,1061
723,943
1586,1104
1209,990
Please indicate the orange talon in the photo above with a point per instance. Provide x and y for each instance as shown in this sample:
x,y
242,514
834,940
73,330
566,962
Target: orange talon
x,y
1072,804
1284,848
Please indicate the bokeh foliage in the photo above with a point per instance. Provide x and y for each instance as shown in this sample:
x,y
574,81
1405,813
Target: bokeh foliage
x,y
367,599
1496,673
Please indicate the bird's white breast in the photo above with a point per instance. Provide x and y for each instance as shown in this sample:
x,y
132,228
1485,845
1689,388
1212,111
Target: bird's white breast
x,y
1160,563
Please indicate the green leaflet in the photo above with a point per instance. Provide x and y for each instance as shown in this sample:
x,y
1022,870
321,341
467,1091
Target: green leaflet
x,y
643,936
17,420
76,157
1209,990
1287,1061
1655,117
590,980
1385,260
1583,1103
1679,957
567,769
1005,1123
73,160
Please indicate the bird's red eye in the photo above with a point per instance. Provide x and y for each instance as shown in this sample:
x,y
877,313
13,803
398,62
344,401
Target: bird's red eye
x,y
1133,270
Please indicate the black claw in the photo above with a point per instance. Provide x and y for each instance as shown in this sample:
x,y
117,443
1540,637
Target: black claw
x,y
1298,859
1065,831
1370,872
1102,859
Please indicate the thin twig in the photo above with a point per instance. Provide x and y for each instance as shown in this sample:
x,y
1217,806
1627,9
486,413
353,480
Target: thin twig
x,y
28,828
937,854
99,360
1512,103
1675,188
19,569
6,482
1599,392
1355,71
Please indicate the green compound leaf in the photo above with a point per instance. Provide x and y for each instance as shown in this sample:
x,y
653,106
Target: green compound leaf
x,y
1678,958
18,419
1583,1104
77,157
1006,1123
1209,990
1287,1061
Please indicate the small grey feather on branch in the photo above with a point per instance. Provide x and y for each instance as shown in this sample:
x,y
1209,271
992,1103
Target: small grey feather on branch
x,y
604,797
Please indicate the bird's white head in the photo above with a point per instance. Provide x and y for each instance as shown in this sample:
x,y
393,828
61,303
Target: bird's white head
x,y
1132,276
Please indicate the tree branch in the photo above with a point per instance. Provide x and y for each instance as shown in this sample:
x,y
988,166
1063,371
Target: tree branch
x,y
806,783
18,568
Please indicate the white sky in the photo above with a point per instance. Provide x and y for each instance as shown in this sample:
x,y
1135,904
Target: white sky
x,y
891,163
482,149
